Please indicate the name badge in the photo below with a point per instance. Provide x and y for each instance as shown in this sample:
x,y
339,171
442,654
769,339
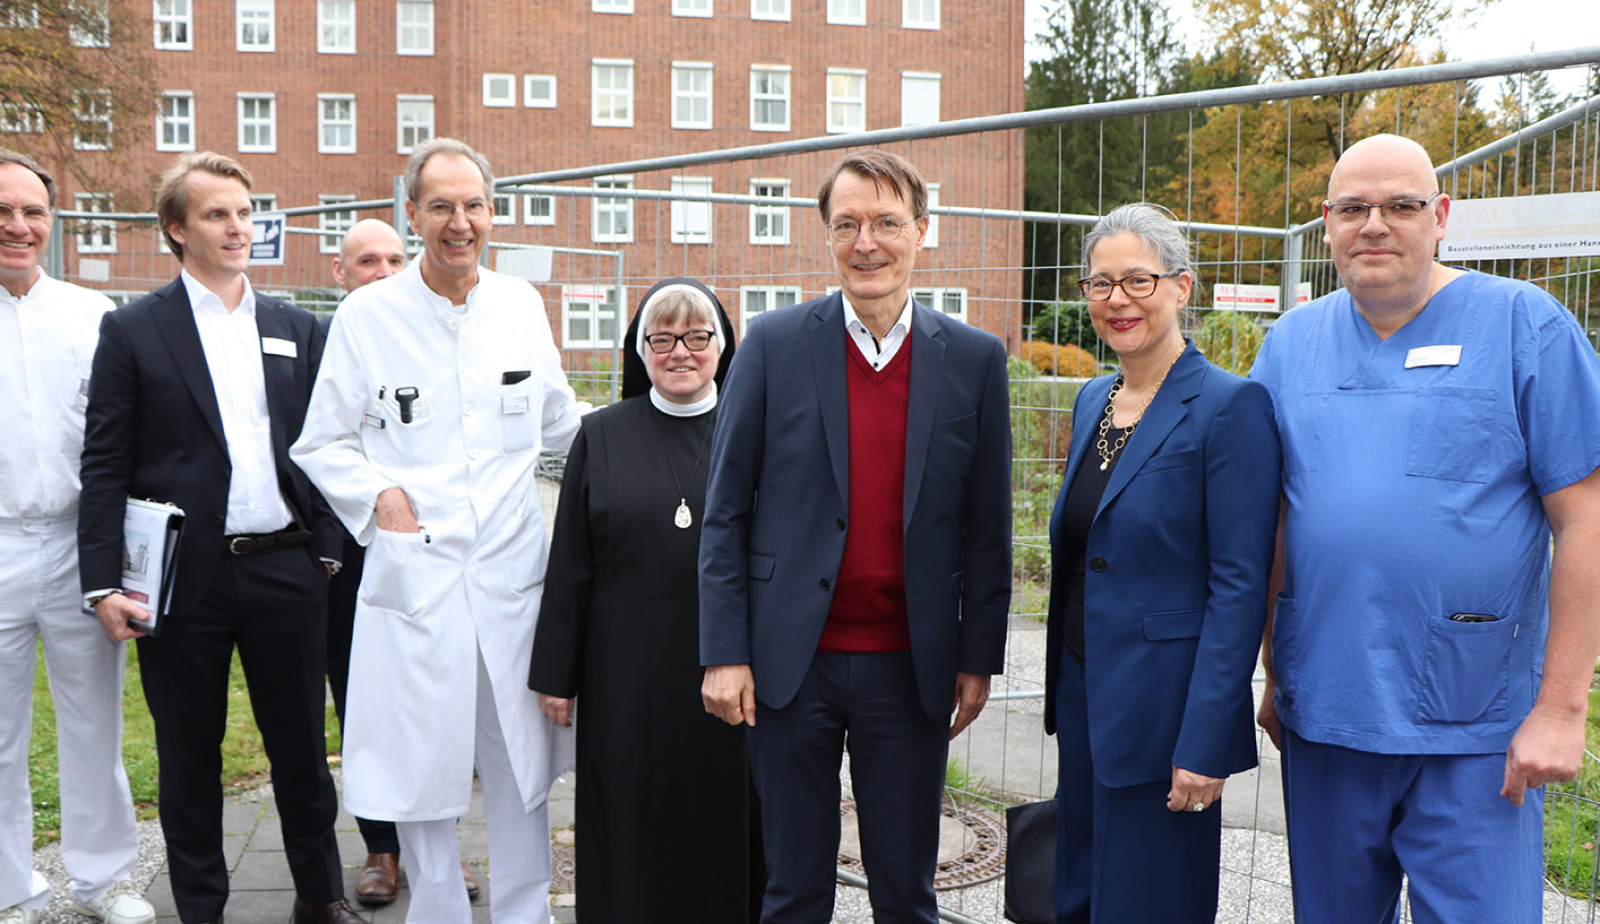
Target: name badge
x,y
83,387
277,346
1441,355
514,404
372,420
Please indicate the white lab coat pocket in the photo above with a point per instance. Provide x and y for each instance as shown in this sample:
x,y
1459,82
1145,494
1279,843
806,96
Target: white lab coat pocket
x,y
399,575
521,406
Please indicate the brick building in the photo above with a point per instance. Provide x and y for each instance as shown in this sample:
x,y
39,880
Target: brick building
x,y
322,101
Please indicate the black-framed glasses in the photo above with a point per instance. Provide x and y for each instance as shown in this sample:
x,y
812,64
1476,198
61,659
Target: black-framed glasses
x,y
1137,285
693,340
885,228
36,215
441,210
1353,212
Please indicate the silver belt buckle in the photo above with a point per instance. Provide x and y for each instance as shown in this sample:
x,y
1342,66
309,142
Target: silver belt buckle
x,y
233,544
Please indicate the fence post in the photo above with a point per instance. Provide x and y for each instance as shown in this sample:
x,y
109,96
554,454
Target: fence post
x,y
54,251
1292,256
399,220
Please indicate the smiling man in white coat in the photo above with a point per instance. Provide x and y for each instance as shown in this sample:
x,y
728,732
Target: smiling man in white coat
x,y
437,389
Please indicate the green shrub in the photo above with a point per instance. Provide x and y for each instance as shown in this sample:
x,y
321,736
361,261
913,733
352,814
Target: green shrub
x,y
1231,339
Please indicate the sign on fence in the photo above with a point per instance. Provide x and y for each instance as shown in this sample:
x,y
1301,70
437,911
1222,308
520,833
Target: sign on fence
x,y
1559,225
1235,297
266,239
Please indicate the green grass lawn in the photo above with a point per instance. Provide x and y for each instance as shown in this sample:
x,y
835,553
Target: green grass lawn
x,y
1570,814
243,759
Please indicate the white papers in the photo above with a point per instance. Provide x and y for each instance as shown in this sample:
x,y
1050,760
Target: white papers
x,y
150,533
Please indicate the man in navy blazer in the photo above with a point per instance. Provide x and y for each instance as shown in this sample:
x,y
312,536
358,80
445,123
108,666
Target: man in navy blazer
x,y
196,392
855,556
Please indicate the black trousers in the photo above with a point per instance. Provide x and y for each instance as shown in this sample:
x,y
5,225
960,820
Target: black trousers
x,y
379,836
272,606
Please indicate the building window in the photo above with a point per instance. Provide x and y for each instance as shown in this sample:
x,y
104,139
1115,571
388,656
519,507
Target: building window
x,y
919,14
336,123
500,90
931,239
505,209
413,121
538,209
753,300
769,98
847,100
95,236
769,224
19,14
770,9
691,216
413,27
91,113
539,91
613,6
258,123
174,21
21,118
612,94
589,317
334,224
175,122
613,217
253,25
919,98
91,26
847,12
951,301
691,7
336,27
691,94
260,205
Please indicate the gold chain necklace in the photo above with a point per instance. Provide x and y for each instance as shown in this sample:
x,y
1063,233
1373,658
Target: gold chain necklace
x,y
1108,451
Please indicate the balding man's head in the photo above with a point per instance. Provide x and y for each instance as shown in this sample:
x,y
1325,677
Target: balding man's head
x,y
1384,157
371,251
1385,217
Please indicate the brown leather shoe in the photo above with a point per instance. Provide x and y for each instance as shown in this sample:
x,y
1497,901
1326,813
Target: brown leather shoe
x,y
379,881
471,881
337,911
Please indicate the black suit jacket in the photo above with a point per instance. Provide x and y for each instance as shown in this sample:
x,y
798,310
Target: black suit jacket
x,y
153,430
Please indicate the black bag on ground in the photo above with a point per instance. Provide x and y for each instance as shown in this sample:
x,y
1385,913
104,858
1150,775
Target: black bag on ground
x,y
1031,862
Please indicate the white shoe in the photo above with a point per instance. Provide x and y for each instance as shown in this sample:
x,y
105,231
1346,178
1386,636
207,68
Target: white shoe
x,y
17,914
120,904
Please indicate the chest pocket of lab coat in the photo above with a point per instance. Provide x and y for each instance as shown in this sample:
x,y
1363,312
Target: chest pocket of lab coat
x,y
520,410
1451,434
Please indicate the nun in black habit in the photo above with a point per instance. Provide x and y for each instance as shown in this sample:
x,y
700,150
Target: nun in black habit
x,y
665,812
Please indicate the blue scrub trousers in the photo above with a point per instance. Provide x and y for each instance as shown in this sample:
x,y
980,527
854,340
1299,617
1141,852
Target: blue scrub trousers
x,y
1358,821
1121,855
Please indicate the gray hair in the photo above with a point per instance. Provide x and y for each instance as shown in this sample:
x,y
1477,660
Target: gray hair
x,y
1153,225
427,149
8,156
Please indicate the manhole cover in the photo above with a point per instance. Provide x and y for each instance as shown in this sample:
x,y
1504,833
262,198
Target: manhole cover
x,y
971,845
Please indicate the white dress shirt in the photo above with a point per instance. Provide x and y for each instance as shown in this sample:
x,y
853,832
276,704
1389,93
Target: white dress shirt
x,y
878,352
47,341
232,345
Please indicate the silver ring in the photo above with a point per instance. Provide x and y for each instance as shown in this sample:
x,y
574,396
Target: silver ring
x,y
1198,807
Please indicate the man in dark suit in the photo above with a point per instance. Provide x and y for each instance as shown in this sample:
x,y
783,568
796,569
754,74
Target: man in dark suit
x,y
865,596
197,390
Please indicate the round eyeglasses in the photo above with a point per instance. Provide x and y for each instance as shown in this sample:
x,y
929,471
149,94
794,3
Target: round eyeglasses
x,y
885,228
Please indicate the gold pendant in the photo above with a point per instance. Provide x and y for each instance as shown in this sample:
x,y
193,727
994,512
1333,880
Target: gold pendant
x,y
682,519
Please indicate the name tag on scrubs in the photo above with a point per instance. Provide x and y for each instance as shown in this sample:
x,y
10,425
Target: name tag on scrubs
x,y
1434,356
277,346
514,404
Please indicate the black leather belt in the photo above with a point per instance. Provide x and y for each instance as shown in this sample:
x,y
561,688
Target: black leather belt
x,y
251,543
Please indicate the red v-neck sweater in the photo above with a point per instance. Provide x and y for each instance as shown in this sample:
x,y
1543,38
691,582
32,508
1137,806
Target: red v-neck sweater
x,y
869,601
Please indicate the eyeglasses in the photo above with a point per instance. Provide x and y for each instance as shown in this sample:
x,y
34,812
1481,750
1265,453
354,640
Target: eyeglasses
x,y
1348,212
444,211
35,215
1138,285
884,229
693,340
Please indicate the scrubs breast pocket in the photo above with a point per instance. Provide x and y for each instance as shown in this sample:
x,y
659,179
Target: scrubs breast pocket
x,y
397,575
1451,434
1465,671
519,415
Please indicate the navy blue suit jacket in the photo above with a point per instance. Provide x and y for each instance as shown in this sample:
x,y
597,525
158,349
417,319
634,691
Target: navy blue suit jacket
x,y
1176,571
778,499
153,430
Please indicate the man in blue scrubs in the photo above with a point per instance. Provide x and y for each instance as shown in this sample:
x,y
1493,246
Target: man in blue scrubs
x,y
1431,658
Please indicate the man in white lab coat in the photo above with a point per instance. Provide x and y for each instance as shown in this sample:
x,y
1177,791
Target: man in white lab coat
x,y
438,387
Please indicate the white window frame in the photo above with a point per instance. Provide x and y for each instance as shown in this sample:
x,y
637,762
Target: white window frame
x,y
775,217
612,6
836,127
772,10
269,124
94,236
769,297
341,26
533,100
402,124
182,126
935,297
691,95
324,146
509,215
21,118
100,37
931,237
692,216
263,203
757,71
172,17
529,214
593,306
614,207
416,29
697,8
500,91
919,14
18,16
91,106
596,65
847,12
334,225
910,81
260,14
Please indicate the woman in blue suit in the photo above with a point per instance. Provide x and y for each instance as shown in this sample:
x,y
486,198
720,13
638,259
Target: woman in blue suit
x,y
1161,546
